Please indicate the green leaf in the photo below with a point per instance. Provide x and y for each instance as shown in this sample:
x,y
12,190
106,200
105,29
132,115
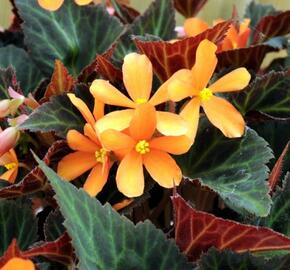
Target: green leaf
x,y
16,221
223,260
7,78
103,239
268,94
256,12
158,20
58,115
279,217
27,73
234,168
53,227
72,34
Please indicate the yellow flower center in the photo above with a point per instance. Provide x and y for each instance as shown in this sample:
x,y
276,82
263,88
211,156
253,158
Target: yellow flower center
x,y
205,94
141,101
10,166
142,147
100,155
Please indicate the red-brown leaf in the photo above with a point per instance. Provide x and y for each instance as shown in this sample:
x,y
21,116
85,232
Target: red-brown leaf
x,y
276,172
11,252
34,180
61,81
250,58
272,26
167,58
189,8
196,232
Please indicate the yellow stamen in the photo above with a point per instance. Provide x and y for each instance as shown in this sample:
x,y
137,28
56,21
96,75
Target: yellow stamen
x,y
141,101
142,147
205,94
10,166
100,155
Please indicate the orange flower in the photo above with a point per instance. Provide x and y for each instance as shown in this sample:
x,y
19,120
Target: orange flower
x,y
53,5
235,38
193,83
89,155
18,264
137,77
10,162
138,147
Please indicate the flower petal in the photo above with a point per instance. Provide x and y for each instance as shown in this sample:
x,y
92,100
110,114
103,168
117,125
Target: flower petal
x,y
50,5
181,85
233,81
205,63
130,177
83,108
91,133
83,2
6,158
176,145
194,26
224,116
171,124
107,93
190,113
118,120
99,108
143,123
75,164
162,168
79,142
114,140
9,175
18,264
96,179
137,76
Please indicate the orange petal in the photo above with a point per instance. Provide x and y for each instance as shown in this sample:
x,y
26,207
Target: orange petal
x,y
83,2
161,95
99,108
79,142
18,264
137,76
176,145
91,133
75,164
194,26
114,140
6,158
51,5
224,116
96,179
143,123
190,113
233,81
130,177
9,176
205,63
181,85
118,120
107,93
83,108
162,168
171,124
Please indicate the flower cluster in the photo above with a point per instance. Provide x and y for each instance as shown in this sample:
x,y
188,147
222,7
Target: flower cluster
x,y
142,135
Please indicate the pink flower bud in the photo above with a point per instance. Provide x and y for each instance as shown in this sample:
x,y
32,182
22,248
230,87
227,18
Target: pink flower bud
x,y
17,120
8,139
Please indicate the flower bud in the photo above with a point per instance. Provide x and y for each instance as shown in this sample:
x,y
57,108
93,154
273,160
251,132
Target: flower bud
x,y
8,139
4,107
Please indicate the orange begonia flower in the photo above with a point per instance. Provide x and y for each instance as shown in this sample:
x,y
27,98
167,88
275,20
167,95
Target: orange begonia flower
x,y
18,264
10,162
54,5
89,155
138,147
137,77
193,83
235,38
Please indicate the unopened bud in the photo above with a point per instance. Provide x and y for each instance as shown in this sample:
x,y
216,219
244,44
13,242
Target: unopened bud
x,y
4,107
8,139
